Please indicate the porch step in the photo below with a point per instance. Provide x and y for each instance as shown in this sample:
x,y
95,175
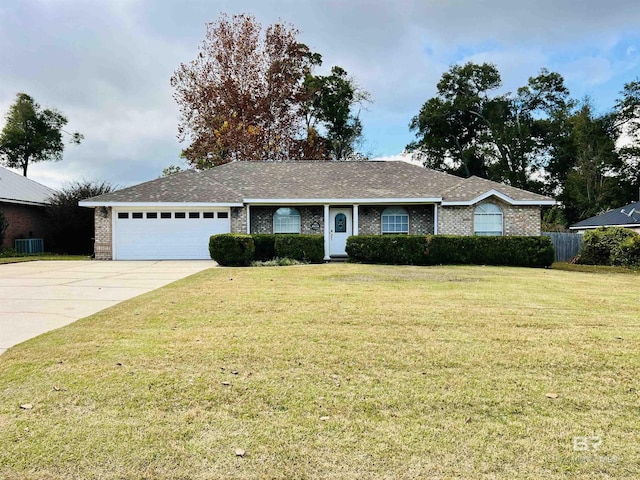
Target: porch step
x,y
338,258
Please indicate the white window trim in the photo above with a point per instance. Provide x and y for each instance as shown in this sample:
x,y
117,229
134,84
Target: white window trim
x,y
488,233
396,214
287,228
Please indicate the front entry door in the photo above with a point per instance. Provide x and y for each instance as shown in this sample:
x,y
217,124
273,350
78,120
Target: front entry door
x,y
340,228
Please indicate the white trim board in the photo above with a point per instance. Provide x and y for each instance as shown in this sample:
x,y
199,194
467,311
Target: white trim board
x,y
156,205
340,201
501,196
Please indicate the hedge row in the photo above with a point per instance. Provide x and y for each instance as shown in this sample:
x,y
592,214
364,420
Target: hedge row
x,y
239,250
451,250
610,246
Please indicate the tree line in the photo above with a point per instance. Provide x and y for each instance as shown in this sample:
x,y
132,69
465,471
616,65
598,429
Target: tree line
x,y
252,93
537,138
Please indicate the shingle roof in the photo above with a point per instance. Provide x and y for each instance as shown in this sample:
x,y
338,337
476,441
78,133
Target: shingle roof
x,y
628,215
322,180
15,188
311,180
470,188
184,187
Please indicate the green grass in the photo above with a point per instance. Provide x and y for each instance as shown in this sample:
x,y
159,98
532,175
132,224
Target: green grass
x,y
336,371
575,267
48,256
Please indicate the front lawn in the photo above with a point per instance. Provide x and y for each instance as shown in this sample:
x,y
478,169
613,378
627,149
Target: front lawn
x,y
336,371
41,256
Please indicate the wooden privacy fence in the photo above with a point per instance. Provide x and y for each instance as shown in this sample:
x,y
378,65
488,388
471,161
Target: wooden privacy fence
x,y
566,245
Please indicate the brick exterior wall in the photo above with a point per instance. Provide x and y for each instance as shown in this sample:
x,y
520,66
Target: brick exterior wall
x,y
421,219
238,220
262,219
25,221
103,234
517,220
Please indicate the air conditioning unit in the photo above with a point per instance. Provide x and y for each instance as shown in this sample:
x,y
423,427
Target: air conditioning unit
x,y
29,245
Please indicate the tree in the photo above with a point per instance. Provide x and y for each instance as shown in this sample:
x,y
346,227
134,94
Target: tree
x,y
32,134
72,226
170,170
467,129
592,183
238,98
627,116
329,105
251,95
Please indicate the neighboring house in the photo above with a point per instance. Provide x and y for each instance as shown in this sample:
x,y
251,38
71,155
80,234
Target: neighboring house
x,y
23,203
173,217
627,216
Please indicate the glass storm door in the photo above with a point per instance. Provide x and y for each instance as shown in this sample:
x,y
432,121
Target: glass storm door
x,y
340,228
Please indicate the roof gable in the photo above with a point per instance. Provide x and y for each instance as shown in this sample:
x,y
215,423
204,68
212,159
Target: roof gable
x,y
15,188
469,191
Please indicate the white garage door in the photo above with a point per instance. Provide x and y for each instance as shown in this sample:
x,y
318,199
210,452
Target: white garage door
x,y
166,234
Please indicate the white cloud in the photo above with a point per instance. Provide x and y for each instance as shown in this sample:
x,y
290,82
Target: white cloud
x,y
106,65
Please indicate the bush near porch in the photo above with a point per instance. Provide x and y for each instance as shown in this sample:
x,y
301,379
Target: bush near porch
x,y
238,250
451,250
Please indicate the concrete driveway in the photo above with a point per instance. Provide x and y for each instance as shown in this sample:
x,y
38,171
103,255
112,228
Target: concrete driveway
x,y
36,297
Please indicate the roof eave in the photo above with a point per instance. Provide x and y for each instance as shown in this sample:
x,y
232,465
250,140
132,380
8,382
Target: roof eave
x,y
24,202
592,227
159,204
341,201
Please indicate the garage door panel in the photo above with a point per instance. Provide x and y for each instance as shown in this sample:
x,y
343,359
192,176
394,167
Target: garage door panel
x,y
165,238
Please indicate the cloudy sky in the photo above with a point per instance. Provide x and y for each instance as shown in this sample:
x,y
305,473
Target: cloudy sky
x,y
106,64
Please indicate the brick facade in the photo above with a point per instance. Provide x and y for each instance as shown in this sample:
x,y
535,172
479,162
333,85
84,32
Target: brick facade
x,y
421,219
517,220
239,219
103,243
25,221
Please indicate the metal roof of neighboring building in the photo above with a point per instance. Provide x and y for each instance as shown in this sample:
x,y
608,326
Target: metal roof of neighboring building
x,y
627,216
15,188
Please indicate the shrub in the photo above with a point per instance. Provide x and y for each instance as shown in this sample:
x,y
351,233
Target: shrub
x,y
232,249
451,250
305,248
71,226
627,252
277,262
265,246
389,249
597,244
4,224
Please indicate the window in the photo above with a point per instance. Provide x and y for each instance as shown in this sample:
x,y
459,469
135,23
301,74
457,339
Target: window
x,y
194,214
341,223
136,215
223,214
487,220
180,215
165,214
152,214
207,214
122,215
286,220
395,220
